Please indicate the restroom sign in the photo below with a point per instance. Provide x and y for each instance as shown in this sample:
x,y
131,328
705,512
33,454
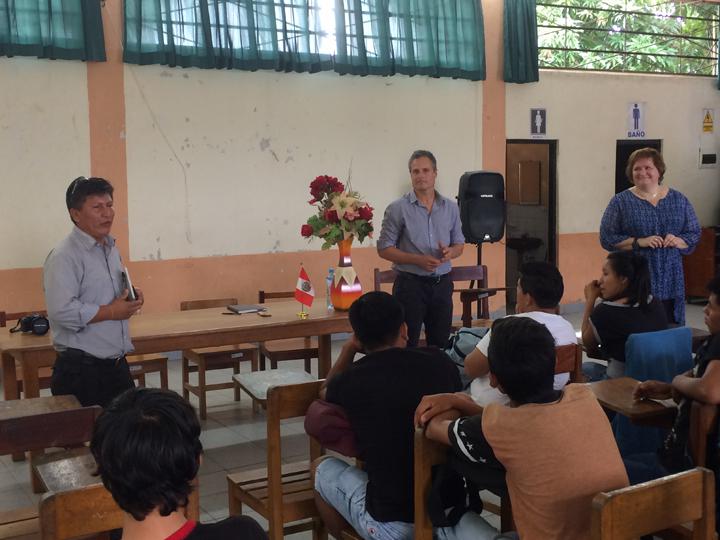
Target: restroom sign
x,y
708,120
636,120
538,123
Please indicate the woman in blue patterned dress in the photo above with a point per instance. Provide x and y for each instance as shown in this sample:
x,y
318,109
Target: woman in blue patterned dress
x,y
656,221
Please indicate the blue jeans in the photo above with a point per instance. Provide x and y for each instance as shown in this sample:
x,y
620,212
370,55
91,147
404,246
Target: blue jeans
x,y
343,487
594,372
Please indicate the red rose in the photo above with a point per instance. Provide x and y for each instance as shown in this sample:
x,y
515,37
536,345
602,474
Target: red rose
x,y
331,216
366,212
323,185
306,231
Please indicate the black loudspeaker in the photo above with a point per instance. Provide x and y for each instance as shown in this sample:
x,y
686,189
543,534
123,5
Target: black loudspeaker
x,y
481,198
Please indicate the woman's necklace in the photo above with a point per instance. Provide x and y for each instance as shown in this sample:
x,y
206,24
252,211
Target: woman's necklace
x,y
647,195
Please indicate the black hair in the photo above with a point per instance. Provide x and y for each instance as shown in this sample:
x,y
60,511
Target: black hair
x,y
147,447
417,154
81,188
634,267
714,286
543,282
376,318
521,355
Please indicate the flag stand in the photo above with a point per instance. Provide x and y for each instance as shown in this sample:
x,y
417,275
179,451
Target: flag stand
x,y
303,314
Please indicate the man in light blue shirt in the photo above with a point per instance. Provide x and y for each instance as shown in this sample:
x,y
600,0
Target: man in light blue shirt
x,y
421,233
87,302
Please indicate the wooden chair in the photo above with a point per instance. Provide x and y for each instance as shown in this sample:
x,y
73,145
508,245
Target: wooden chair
x,y
77,504
201,361
142,364
473,274
426,454
281,494
33,425
642,509
279,350
568,359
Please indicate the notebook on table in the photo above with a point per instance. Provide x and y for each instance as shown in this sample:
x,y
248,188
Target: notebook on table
x,y
246,308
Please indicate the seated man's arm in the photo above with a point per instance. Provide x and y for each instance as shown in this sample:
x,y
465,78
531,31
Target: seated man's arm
x,y
476,363
705,389
437,404
347,354
437,428
467,440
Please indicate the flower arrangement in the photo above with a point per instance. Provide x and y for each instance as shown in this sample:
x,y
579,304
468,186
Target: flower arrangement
x,y
341,214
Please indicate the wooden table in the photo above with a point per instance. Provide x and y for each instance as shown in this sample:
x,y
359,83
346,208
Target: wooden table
x,y
15,413
616,395
159,332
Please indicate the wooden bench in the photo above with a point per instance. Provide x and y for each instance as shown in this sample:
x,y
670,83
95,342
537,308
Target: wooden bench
x,y
283,494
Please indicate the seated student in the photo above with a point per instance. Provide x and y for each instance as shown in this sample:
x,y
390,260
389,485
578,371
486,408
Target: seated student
x,y
147,447
379,392
556,445
539,290
627,307
702,383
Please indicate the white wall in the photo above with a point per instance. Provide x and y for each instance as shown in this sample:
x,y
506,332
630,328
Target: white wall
x,y
219,162
587,115
44,145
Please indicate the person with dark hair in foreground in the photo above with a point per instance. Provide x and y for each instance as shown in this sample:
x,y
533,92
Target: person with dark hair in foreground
x,y
627,307
379,392
556,445
147,447
87,302
702,383
539,290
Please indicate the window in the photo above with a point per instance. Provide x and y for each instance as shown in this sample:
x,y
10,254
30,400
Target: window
x,y
652,36
70,29
434,37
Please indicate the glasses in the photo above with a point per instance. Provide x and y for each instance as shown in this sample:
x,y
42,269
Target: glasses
x,y
79,180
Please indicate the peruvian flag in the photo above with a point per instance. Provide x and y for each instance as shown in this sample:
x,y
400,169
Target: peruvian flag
x,y
304,292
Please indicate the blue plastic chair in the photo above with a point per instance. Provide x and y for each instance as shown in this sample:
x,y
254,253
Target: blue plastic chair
x,y
658,356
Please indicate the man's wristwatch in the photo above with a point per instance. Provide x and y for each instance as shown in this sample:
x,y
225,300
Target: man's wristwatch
x,y
635,244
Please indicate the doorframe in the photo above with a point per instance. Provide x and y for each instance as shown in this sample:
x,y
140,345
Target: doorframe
x,y
552,192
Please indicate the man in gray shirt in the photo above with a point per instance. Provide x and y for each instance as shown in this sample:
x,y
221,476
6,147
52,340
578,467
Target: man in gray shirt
x,y
87,302
421,232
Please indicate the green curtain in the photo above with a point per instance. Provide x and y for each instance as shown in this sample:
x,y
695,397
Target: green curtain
x,y
68,29
440,38
520,42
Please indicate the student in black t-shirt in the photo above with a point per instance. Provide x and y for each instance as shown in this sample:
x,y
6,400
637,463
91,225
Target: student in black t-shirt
x,y
702,383
627,307
379,392
147,448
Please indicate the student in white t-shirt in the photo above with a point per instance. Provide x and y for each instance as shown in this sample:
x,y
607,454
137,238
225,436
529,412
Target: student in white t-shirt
x,y
539,290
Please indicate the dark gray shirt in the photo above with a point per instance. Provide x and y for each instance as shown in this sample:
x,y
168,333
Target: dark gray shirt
x,y
409,227
79,276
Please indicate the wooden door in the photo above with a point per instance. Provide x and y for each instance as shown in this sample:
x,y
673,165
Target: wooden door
x,y
531,213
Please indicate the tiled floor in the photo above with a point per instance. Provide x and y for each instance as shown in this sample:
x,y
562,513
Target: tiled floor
x,y
233,438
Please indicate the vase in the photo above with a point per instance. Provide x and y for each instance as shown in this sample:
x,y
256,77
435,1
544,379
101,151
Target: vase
x,y
345,288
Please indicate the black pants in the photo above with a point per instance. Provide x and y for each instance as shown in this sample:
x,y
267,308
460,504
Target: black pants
x,y
669,306
93,381
426,300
